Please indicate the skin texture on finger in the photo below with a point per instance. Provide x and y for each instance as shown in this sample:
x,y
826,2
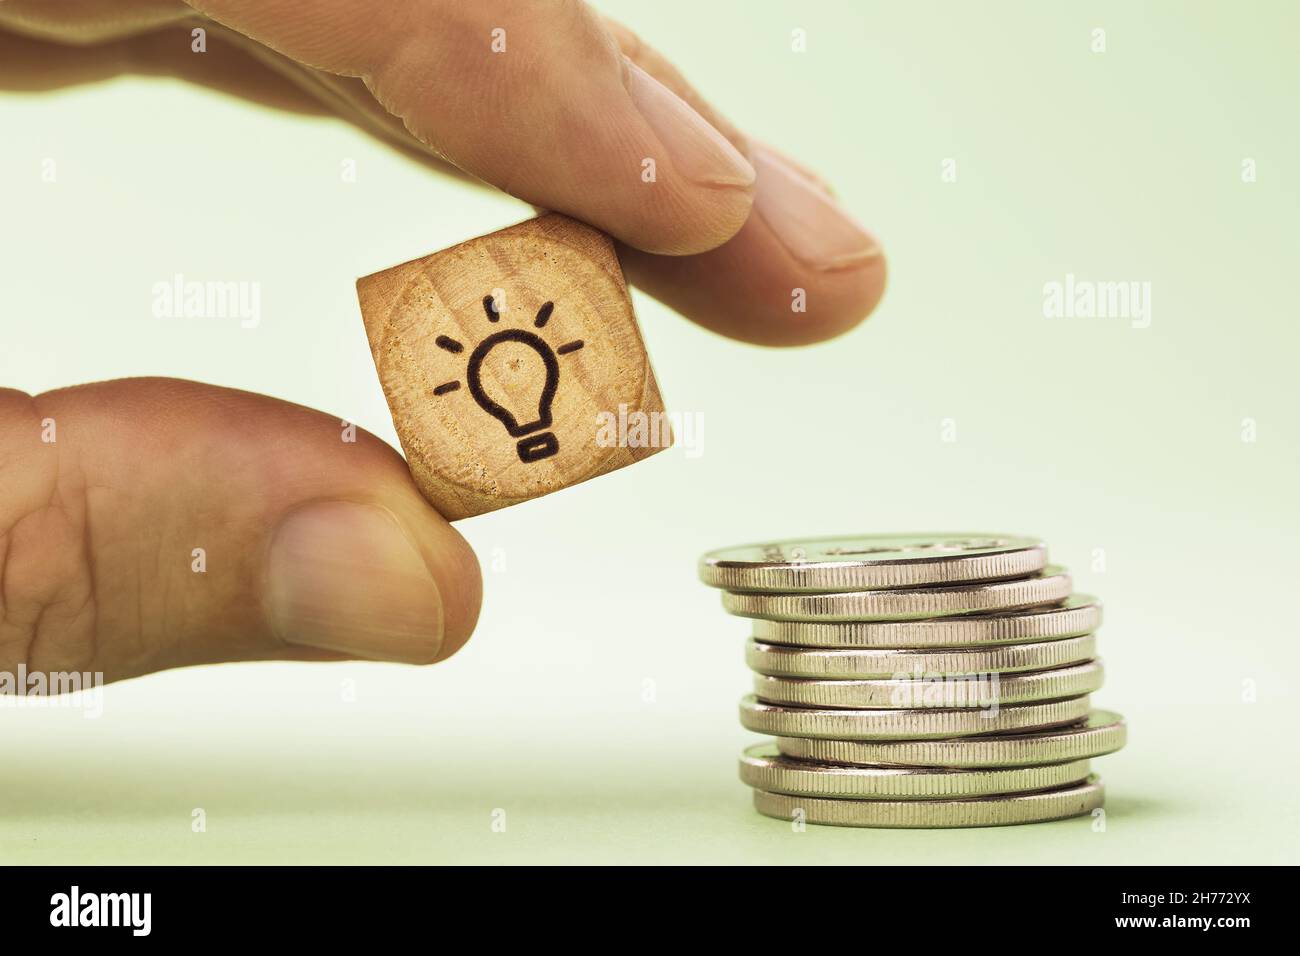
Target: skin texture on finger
x,y
798,250
89,21
556,116
349,98
232,64
28,64
544,107
149,37
762,286
156,523
801,270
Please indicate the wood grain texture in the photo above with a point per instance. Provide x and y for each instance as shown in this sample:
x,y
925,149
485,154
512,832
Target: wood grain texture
x,y
474,345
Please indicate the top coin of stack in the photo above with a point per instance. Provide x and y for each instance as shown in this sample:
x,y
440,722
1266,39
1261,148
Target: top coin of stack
x,y
924,680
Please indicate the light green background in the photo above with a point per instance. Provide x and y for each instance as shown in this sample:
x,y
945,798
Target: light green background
x,y
1123,165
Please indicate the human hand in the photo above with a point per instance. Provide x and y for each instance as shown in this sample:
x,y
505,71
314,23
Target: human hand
x,y
317,548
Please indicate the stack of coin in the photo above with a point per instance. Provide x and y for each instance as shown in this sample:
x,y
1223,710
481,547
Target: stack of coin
x,y
917,680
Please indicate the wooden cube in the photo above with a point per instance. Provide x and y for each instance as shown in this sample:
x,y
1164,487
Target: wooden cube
x,y
505,360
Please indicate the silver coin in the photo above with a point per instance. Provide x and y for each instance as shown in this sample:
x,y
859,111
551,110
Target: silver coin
x,y
1102,733
782,660
872,561
1051,587
921,691
763,767
907,724
1002,810
1078,615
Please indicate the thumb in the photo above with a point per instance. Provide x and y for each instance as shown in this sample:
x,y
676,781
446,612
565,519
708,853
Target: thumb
x,y
534,98
155,523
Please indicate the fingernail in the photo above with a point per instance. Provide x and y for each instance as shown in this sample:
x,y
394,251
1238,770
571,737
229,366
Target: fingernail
x,y
697,150
345,577
806,220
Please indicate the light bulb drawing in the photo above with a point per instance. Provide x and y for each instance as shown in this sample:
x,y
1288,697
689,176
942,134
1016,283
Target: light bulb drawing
x,y
529,421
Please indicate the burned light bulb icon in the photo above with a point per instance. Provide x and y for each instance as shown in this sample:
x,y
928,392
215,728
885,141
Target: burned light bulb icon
x,y
528,420
520,395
